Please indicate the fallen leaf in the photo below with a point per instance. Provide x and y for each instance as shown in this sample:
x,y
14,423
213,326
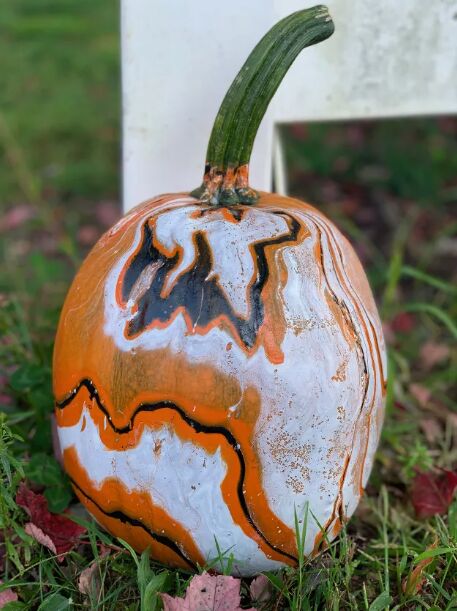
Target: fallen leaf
x,y
7,596
414,583
432,430
108,213
62,531
88,235
15,217
421,394
207,593
36,533
432,354
404,322
260,589
432,492
89,579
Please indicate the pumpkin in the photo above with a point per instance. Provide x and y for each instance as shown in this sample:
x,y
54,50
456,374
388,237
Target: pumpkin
x,y
219,366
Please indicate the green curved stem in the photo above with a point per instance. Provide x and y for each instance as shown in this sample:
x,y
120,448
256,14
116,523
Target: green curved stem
x,y
237,122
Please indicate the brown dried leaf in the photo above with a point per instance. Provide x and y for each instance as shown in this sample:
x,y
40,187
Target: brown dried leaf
x,y
207,593
260,589
89,579
87,582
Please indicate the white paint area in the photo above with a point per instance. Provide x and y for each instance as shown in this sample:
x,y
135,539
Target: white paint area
x,y
315,405
232,263
188,488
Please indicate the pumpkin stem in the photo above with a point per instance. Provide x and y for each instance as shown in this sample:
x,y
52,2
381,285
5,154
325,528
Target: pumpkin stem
x,y
226,177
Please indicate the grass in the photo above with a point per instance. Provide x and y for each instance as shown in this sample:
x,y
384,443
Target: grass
x,y
390,186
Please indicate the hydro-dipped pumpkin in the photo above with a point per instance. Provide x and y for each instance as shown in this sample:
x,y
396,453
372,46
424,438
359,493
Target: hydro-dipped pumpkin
x,y
219,363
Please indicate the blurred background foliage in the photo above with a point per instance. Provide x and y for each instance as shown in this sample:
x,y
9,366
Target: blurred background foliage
x,y
59,99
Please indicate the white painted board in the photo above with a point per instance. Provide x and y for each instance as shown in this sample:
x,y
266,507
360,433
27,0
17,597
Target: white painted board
x,y
178,58
388,58
385,59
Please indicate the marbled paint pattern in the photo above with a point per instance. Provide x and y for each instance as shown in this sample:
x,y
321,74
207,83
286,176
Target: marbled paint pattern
x,y
217,371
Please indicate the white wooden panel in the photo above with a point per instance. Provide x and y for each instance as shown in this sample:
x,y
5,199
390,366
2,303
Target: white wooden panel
x,y
178,58
389,58
386,58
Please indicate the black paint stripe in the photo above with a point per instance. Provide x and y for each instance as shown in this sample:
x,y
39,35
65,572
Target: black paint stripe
x,y
195,290
197,426
125,519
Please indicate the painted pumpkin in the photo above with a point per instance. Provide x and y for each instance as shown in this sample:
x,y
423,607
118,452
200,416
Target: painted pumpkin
x,y
219,363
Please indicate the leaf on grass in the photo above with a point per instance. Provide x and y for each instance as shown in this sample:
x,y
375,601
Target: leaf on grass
x,y
431,429
404,322
15,217
207,593
260,589
414,583
62,531
421,394
88,235
7,596
36,533
432,354
89,582
432,492
107,213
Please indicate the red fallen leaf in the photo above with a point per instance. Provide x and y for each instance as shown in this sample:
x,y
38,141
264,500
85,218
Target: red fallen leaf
x,y
404,322
62,532
207,593
432,492
7,596
399,405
